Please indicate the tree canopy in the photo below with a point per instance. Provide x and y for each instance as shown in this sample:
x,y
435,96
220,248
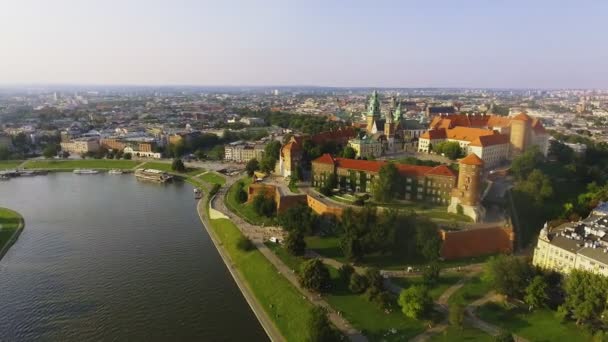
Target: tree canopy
x,y
387,184
415,301
314,275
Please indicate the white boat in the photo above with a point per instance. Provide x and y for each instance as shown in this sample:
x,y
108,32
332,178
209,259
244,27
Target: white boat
x,y
115,172
85,172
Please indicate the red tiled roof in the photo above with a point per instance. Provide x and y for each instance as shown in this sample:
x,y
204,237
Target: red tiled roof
x,y
468,133
464,120
339,135
489,140
434,134
442,170
325,159
471,159
375,166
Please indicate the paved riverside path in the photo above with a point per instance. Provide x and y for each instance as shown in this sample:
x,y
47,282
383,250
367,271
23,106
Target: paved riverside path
x,y
267,324
257,236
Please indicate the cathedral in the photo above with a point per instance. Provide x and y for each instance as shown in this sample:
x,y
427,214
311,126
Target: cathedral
x,y
383,130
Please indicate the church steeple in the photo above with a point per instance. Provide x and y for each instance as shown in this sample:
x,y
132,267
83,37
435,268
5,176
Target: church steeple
x,y
373,107
397,113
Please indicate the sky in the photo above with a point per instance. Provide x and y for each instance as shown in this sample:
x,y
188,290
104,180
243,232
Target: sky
x,y
373,43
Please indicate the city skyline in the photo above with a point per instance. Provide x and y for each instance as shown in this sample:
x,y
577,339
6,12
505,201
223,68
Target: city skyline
x,y
469,44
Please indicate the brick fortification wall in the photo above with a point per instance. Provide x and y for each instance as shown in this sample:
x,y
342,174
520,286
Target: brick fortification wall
x,y
476,242
323,209
271,191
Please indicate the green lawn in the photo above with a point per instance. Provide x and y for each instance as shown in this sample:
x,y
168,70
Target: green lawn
x,y
9,221
366,316
465,333
539,325
445,280
245,210
283,303
9,164
473,289
326,246
167,168
290,260
213,178
81,164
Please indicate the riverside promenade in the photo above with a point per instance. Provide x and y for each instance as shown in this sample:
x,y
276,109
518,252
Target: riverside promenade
x,y
265,321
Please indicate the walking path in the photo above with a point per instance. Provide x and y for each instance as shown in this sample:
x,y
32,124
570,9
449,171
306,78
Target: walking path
x,y
483,325
258,235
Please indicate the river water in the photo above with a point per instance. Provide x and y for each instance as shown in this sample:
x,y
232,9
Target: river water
x,y
108,258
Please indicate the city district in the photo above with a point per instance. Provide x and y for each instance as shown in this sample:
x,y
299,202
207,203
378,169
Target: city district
x,y
391,215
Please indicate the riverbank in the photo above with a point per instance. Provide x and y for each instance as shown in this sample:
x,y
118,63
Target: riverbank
x,y
231,259
11,226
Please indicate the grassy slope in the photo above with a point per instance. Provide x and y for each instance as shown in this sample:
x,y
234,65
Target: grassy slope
x,y
9,220
245,210
212,177
283,303
539,325
84,164
9,164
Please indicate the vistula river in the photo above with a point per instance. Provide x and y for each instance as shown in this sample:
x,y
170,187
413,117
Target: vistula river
x,y
108,258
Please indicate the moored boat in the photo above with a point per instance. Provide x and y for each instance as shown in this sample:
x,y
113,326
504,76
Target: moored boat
x,y
115,172
85,171
153,175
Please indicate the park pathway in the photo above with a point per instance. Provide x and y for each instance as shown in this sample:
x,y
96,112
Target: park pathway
x,y
483,325
258,235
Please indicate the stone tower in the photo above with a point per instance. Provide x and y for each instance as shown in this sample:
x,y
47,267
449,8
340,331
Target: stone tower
x,y
520,134
373,111
466,196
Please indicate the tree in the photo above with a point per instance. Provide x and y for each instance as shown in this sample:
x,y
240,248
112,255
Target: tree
x,y
386,186
244,244
523,165
508,275
504,336
415,301
178,165
536,293
252,166
330,183
586,296
319,328
349,153
127,156
537,185
216,153
430,275
314,275
298,218
456,314
428,241
346,271
4,152
50,151
264,205
295,244
176,150
450,149
357,283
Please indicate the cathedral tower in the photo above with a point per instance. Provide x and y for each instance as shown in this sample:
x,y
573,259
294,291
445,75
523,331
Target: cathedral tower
x,y
373,111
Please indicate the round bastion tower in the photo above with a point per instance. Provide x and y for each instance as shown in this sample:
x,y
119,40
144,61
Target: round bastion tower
x,y
520,134
466,195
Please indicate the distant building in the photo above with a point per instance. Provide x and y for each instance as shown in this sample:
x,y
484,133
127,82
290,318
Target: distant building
x,y
492,138
578,148
581,245
80,145
243,152
366,148
252,121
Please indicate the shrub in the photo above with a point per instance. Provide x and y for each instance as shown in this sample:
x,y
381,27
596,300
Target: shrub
x,y
358,283
346,271
244,244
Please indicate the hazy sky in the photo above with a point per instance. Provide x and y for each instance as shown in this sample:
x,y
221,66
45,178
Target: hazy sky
x,y
487,43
